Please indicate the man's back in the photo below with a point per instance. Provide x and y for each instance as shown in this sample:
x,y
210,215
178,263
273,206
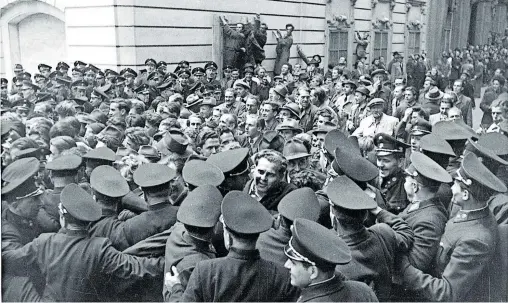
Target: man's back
x,y
240,276
79,268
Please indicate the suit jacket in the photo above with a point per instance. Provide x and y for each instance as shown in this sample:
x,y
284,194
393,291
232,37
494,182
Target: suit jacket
x,y
465,105
184,252
271,244
338,290
271,200
373,252
79,268
369,128
240,276
466,248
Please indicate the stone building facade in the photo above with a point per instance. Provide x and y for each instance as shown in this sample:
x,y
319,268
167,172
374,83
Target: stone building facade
x,y
122,33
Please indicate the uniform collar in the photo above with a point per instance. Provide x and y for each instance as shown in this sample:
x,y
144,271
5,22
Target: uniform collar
x,y
357,237
469,215
416,205
74,232
158,206
243,254
321,289
199,243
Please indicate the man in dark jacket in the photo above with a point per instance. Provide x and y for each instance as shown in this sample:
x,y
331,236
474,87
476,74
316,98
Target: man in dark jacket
x,y
373,249
268,186
19,226
190,239
242,275
77,267
468,243
313,252
300,203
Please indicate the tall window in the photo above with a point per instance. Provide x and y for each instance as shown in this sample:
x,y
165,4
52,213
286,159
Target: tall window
x,y
381,44
338,46
413,46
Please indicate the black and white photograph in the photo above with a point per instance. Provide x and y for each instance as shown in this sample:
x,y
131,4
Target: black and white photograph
x,y
254,150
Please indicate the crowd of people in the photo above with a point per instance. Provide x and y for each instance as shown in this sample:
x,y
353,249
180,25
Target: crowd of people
x,y
363,184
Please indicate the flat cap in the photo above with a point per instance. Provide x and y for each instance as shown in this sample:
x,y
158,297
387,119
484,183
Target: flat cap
x,y
451,130
153,174
231,161
472,170
428,168
198,172
109,182
317,245
244,215
65,162
353,165
240,82
387,145
345,193
375,101
101,153
79,204
300,203
435,144
20,172
201,207
496,142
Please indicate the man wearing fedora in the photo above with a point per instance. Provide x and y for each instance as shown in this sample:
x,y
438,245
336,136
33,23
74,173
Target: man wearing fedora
x,y
432,100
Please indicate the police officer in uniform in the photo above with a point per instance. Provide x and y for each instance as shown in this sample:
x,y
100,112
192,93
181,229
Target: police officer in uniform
x,y
190,239
300,203
108,188
77,267
373,249
19,226
468,243
63,171
242,275
154,180
313,252
390,156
